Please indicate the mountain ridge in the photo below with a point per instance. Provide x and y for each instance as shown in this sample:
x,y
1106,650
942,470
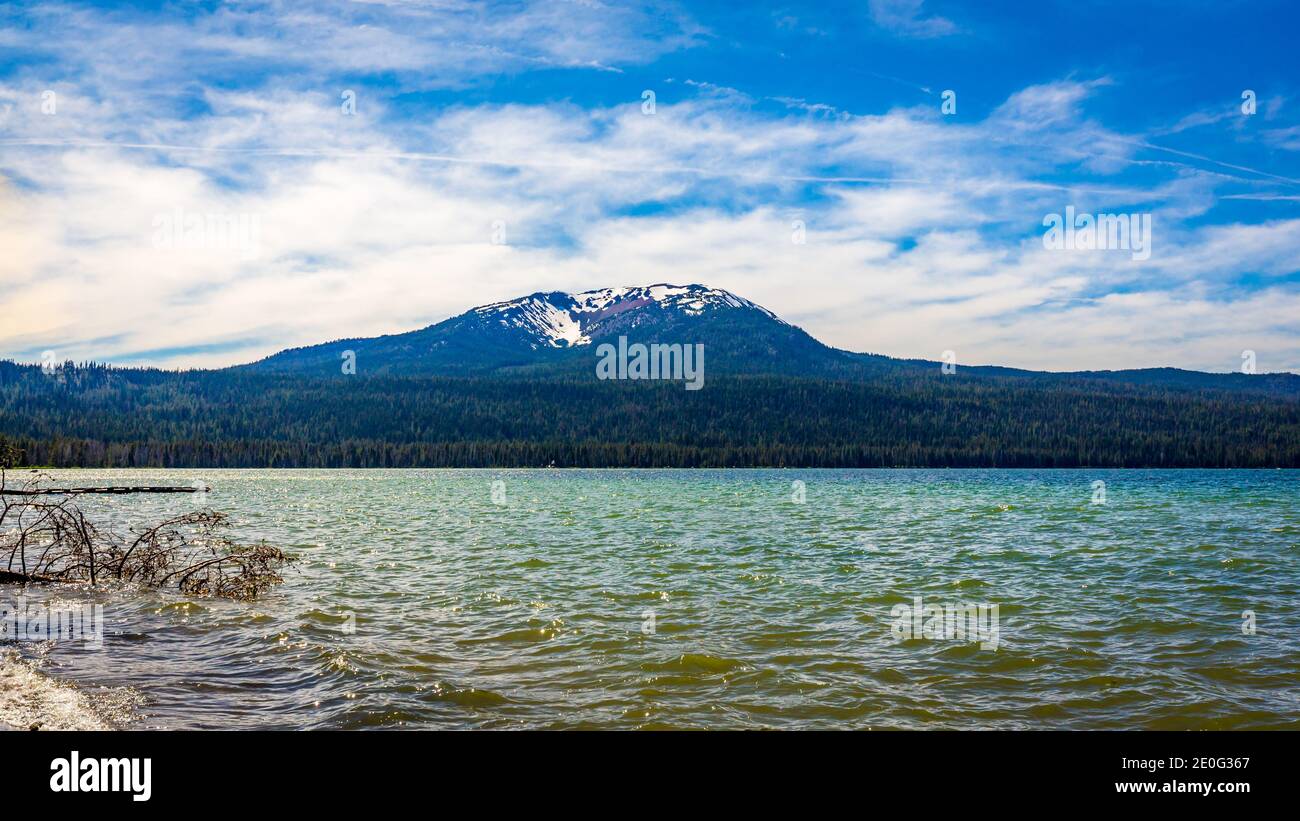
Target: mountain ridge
x,y
553,333
513,384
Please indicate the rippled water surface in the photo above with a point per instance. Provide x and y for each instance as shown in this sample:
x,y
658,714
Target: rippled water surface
x,y
677,599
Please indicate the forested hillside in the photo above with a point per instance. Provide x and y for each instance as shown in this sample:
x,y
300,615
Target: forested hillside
x,y
98,416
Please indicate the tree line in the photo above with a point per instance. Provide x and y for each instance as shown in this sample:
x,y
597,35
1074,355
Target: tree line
x,y
100,416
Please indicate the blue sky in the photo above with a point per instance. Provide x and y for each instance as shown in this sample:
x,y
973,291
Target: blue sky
x,y
796,154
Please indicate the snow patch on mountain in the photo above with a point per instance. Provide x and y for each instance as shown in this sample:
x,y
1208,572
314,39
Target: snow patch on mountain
x,y
555,324
547,317
561,320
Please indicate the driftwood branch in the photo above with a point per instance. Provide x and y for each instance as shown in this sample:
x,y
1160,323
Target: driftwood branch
x,y
73,491
44,537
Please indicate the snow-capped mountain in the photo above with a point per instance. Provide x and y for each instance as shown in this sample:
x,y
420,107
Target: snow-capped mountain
x,y
554,330
553,334
561,320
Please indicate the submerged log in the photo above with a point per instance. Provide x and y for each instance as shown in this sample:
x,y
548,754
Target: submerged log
x,y
51,491
9,577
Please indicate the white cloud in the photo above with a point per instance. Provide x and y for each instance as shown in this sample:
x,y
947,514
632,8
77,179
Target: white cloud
x,y
906,17
922,234
444,45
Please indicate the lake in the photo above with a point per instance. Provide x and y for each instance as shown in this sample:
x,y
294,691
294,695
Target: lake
x,y
620,599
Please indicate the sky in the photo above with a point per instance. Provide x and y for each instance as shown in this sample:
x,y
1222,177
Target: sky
x,y
202,184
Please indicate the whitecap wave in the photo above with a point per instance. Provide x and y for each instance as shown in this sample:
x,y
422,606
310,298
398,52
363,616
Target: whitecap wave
x,y
29,699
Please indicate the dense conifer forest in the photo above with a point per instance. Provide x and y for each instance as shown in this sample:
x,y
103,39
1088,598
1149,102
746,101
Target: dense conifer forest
x,y
97,416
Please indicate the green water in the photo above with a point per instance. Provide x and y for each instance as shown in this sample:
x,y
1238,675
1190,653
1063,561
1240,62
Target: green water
x,y
719,599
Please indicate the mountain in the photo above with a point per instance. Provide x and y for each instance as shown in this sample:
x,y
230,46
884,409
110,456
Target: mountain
x,y
553,333
515,384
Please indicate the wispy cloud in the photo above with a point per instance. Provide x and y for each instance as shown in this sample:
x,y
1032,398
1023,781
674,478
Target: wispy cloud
x,y
907,17
923,232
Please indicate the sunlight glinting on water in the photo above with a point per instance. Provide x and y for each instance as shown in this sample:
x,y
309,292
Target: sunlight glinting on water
x,y
720,599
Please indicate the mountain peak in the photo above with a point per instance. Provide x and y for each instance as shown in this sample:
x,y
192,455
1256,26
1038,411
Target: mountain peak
x,y
553,334
561,320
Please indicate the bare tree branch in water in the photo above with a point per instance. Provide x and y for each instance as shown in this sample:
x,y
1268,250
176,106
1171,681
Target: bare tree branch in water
x,y
53,541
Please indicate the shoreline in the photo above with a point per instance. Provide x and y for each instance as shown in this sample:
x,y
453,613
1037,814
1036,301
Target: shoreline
x,y
32,700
